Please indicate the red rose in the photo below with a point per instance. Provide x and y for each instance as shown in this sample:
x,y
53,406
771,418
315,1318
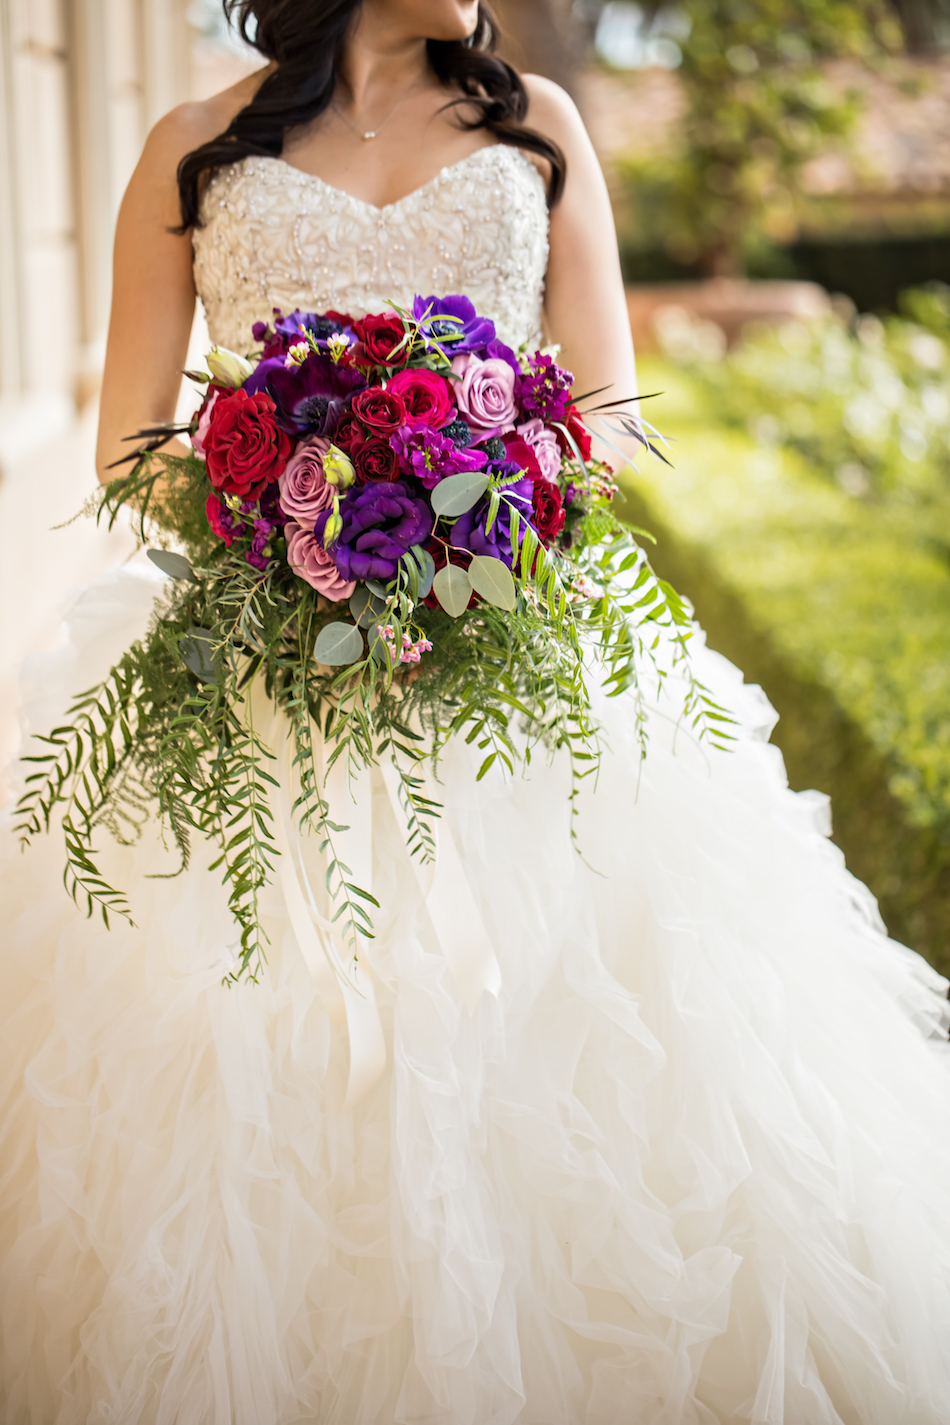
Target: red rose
x,y
427,397
342,319
245,449
375,462
572,419
381,411
548,512
377,338
349,434
521,453
461,557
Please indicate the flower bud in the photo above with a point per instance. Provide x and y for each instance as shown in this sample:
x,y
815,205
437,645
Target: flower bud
x,y
227,368
338,468
334,525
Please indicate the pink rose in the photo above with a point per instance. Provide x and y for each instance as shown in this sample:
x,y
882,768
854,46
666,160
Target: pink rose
x,y
204,421
311,562
303,487
543,442
428,398
485,394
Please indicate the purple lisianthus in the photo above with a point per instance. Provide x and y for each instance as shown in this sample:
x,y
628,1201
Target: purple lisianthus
x,y
430,456
546,390
468,532
454,322
311,397
380,522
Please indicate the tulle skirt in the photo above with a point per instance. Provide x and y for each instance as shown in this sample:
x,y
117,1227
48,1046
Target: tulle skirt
x,y
690,1164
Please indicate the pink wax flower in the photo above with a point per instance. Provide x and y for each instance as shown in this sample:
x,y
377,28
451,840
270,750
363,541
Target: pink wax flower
x,y
543,442
303,486
485,395
311,562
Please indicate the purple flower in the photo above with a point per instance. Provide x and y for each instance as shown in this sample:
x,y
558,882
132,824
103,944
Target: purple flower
x,y
468,332
468,532
497,351
546,390
380,522
311,397
430,455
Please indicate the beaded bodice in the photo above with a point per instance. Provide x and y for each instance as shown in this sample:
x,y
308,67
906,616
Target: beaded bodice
x,y
274,236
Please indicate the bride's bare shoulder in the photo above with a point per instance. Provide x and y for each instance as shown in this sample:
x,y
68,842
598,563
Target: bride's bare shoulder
x,y
552,111
190,125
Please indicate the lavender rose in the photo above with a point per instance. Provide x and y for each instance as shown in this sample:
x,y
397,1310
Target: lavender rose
x,y
311,562
468,532
380,522
485,395
543,442
303,487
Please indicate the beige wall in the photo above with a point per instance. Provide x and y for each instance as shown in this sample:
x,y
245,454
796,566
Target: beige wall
x,y
81,81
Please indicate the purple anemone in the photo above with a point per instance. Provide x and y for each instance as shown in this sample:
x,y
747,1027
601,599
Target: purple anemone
x,y
453,321
310,398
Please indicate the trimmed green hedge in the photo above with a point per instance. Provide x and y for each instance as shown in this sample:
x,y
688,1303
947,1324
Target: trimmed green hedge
x,y
844,621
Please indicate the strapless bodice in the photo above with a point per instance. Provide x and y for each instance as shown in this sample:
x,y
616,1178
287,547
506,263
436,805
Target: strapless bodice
x,y
274,236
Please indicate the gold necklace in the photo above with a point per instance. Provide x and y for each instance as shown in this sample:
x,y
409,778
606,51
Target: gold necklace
x,y
367,134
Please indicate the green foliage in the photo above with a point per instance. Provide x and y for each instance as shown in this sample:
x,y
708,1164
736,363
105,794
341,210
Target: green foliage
x,y
846,621
173,722
759,106
866,404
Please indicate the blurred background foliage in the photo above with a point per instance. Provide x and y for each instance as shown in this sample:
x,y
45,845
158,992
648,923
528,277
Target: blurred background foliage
x,y
807,513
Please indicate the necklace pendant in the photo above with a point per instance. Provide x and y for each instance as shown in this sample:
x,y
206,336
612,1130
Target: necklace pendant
x,y
370,135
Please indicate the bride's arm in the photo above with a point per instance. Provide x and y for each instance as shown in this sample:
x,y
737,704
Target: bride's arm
x,y
153,292
585,309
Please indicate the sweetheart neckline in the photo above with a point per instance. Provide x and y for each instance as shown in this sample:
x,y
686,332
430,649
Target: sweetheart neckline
x,y
414,193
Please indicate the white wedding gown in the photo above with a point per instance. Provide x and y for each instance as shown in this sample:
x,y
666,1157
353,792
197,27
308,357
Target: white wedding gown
x,y
690,1164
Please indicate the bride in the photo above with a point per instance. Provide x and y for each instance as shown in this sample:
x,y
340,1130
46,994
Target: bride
x,y
689,1162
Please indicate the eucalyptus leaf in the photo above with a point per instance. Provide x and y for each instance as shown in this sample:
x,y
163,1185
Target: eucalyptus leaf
x,y
426,568
456,494
176,566
492,579
339,644
195,648
375,587
365,606
453,589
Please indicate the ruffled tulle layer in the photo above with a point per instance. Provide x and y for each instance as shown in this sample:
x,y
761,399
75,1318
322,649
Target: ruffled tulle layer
x,y
691,1165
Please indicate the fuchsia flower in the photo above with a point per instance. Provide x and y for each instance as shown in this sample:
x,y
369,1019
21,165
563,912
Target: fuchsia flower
x,y
430,456
546,390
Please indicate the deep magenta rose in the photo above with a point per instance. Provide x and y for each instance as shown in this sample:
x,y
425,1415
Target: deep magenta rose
x,y
547,511
377,340
303,487
381,412
427,398
245,449
375,463
349,434
311,562
485,395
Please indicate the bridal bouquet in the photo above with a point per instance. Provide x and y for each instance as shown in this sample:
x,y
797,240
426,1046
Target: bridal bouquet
x,y
394,526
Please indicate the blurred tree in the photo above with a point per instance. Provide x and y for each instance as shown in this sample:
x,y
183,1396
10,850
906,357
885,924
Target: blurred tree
x,y
924,22
759,107
540,37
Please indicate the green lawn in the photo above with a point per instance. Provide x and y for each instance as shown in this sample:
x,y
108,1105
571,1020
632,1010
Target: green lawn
x,y
842,618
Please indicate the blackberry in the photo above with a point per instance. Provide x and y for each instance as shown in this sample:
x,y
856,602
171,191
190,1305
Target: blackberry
x,y
459,433
495,449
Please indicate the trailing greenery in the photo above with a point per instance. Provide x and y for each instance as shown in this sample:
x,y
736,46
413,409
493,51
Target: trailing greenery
x,y
172,725
845,620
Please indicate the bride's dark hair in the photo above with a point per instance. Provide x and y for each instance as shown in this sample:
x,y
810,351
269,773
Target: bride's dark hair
x,y
304,38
